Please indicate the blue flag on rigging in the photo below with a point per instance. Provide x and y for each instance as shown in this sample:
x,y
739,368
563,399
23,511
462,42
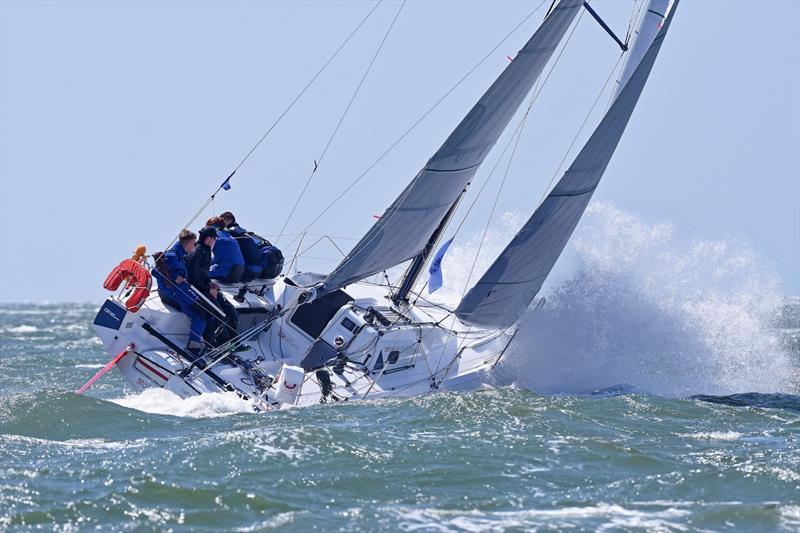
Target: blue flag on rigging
x,y
226,185
435,270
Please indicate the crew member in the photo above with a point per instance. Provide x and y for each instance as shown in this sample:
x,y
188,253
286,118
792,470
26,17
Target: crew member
x,y
227,263
247,245
174,289
199,263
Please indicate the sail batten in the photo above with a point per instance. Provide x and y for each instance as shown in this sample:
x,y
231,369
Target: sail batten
x,y
405,229
511,283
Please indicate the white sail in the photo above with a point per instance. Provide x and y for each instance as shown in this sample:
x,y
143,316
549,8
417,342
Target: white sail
x,y
406,227
508,287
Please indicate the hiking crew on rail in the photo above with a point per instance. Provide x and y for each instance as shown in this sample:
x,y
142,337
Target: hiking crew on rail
x,y
189,273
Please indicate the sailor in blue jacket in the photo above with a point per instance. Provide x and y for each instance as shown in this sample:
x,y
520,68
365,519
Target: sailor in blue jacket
x,y
174,289
247,245
227,263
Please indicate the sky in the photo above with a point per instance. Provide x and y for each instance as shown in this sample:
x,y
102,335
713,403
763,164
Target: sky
x,y
119,119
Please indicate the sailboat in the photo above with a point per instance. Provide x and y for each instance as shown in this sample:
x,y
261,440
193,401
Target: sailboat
x,y
312,338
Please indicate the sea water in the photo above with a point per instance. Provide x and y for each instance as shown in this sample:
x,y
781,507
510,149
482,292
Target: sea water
x,y
655,389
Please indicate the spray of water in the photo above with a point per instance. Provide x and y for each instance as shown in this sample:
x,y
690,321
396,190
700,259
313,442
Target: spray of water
x,y
163,402
631,303
628,303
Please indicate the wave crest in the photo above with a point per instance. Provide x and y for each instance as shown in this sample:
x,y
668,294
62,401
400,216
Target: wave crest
x,y
631,302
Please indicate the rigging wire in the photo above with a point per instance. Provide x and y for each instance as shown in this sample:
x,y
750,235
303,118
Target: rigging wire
x,y
538,88
497,197
226,183
518,134
521,125
580,130
310,82
318,161
635,19
516,138
509,162
583,125
421,118
237,339
633,23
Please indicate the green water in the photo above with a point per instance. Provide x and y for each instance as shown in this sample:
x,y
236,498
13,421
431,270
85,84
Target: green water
x,y
505,459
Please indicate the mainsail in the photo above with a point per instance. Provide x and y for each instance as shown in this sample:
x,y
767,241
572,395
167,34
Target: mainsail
x,y
508,287
406,227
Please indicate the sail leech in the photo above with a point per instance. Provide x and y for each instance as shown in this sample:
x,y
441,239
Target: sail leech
x,y
511,283
406,227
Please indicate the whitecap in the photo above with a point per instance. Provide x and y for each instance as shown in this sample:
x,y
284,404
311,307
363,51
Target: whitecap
x,y
279,520
715,435
613,517
94,445
24,328
635,302
163,402
790,517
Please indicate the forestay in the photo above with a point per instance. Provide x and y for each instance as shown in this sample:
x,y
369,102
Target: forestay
x,y
513,280
408,224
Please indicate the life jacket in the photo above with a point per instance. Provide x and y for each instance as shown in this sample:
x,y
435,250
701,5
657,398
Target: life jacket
x,y
135,276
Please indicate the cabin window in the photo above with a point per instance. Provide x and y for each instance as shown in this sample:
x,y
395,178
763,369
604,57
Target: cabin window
x,y
313,317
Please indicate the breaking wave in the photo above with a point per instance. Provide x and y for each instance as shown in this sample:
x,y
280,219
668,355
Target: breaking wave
x,y
22,329
163,402
632,302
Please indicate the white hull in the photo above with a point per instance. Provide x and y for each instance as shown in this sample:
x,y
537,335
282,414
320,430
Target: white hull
x,y
384,350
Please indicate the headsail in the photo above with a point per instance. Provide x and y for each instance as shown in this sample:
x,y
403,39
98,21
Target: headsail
x,y
506,290
408,224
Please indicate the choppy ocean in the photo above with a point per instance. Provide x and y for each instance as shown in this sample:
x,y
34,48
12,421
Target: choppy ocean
x,y
499,460
650,393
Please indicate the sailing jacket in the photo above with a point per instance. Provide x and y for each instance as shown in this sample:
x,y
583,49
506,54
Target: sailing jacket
x,y
175,258
226,255
198,264
180,293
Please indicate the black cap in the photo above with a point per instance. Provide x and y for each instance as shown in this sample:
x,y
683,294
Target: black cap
x,y
206,232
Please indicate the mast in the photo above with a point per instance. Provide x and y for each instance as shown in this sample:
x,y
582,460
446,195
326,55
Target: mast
x,y
415,269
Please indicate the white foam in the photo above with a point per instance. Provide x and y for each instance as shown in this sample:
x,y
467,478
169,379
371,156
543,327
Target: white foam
x,y
23,329
610,517
94,445
632,302
790,517
279,520
715,435
163,402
